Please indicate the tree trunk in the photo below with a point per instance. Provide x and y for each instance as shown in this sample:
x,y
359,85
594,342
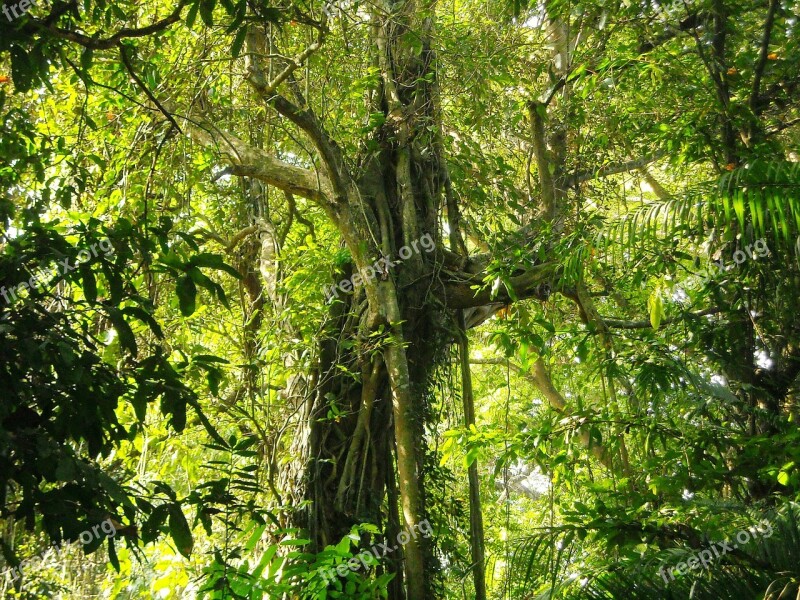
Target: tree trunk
x,y
348,461
396,337
384,336
475,513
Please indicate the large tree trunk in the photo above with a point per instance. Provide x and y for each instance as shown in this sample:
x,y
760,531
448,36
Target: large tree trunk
x,y
363,383
393,339
362,448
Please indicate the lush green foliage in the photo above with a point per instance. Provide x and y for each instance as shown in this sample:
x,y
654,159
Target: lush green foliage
x,y
641,404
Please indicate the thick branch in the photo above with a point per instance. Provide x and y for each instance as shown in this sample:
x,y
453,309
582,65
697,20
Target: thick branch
x,y
239,236
613,169
304,118
247,161
658,189
467,290
546,182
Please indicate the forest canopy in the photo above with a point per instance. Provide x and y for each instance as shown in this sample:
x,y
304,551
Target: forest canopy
x,y
404,299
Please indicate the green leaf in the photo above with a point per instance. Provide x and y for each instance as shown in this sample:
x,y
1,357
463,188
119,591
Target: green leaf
x,y
187,295
343,547
112,554
21,69
145,317
191,16
238,42
738,207
213,261
265,560
126,338
207,11
65,469
656,305
472,456
255,537
180,531
299,542
206,423
89,284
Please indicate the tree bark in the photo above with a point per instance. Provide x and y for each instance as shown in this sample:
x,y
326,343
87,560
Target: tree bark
x,y
476,539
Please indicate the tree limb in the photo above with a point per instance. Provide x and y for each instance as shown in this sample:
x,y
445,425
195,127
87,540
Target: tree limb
x,y
658,189
247,161
468,290
613,169
620,324
782,126
546,181
689,23
126,61
239,236
46,25
758,72
305,119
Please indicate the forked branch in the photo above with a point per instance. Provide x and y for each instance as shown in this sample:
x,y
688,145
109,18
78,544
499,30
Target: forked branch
x,y
304,117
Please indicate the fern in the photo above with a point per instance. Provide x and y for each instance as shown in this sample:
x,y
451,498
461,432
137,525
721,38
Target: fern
x,y
766,568
761,199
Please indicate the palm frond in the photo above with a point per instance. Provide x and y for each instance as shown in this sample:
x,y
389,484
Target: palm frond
x,y
765,568
760,199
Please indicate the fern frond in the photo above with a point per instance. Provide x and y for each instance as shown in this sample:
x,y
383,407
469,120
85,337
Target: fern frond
x,y
760,197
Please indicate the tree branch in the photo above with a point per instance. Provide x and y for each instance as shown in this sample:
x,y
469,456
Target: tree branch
x,y
247,161
46,25
305,119
658,189
123,54
257,78
469,290
620,324
758,73
239,236
689,23
782,126
613,169
546,182
540,378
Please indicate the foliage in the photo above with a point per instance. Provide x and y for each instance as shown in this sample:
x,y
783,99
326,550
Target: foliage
x,y
636,403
